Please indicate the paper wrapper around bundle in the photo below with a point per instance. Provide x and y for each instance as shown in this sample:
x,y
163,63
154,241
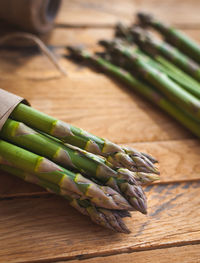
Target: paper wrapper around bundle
x,y
8,102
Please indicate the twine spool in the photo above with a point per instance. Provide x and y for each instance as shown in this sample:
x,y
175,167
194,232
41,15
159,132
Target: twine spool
x,y
34,16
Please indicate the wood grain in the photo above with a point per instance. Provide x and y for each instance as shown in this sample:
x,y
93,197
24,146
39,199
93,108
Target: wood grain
x,y
183,254
93,12
47,228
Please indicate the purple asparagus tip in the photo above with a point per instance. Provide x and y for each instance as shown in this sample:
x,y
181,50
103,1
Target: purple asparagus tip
x,y
144,18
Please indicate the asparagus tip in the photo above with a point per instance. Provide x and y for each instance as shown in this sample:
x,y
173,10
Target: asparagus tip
x,y
75,51
139,204
109,219
103,42
137,32
151,158
145,178
121,30
119,202
144,18
136,197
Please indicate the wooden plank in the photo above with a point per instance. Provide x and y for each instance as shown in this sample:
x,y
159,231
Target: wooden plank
x,y
182,254
47,228
109,12
175,166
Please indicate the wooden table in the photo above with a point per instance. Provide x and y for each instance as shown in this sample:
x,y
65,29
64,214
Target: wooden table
x,y
38,227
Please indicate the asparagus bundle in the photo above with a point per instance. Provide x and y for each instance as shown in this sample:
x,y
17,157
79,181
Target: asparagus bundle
x,y
172,35
104,186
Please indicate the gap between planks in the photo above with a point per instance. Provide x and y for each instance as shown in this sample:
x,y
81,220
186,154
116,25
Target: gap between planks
x,y
83,258
195,26
177,254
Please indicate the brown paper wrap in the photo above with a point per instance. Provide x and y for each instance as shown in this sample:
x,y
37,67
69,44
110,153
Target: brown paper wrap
x,y
8,102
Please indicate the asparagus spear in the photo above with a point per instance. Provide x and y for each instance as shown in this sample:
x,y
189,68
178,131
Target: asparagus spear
x,y
123,32
121,180
172,35
82,139
155,47
101,196
111,219
173,91
147,91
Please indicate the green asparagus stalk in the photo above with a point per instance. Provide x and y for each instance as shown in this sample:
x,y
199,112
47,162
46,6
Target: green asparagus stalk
x,y
185,100
172,35
111,219
82,139
147,91
101,196
155,47
158,63
121,180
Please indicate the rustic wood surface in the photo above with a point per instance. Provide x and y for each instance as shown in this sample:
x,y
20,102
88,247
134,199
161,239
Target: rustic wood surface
x,y
36,226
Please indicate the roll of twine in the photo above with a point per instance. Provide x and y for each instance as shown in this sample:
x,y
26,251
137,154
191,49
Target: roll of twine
x,y
34,16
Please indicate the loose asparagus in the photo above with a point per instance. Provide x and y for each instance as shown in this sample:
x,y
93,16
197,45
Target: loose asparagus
x,y
111,219
172,35
121,180
158,62
155,47
101,196
82,139
147,91
185,100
